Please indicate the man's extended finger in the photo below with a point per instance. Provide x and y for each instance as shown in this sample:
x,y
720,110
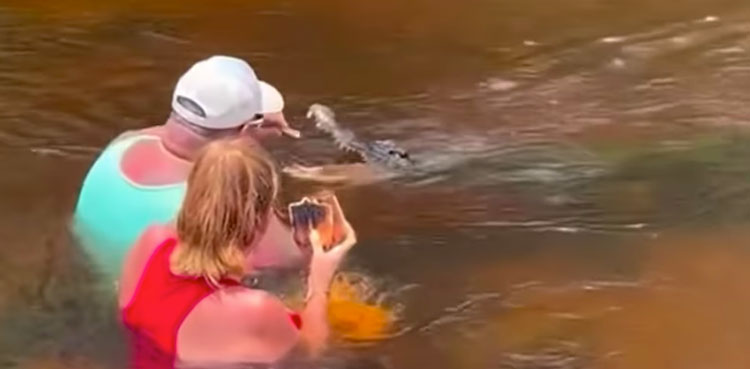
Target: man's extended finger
x,y
291,132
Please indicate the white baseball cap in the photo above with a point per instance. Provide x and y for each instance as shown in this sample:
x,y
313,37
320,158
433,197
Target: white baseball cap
x,y
223,92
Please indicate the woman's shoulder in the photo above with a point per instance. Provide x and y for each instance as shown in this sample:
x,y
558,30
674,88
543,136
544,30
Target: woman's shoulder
x,y
244,325
138,255
246,302
151,238
158,233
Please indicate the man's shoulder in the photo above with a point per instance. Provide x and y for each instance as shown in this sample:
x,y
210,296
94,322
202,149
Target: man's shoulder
x,y
149,132
147,163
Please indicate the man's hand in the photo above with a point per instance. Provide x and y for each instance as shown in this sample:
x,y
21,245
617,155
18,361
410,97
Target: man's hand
x,y
272,125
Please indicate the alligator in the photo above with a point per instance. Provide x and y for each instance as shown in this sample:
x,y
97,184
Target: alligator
x,y
371,159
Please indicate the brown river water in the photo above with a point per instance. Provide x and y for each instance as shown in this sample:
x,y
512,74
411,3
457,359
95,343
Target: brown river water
x,y
582,197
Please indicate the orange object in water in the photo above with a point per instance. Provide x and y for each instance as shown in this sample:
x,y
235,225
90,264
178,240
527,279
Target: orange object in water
x,y
355,313
352,313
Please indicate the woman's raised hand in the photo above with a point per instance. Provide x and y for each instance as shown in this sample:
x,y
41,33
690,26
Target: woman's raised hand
x,y
327,254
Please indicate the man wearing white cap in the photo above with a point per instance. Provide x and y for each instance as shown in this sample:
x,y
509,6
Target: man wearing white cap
x,y
139,178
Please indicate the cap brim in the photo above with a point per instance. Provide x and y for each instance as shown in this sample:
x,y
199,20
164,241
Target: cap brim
x,y
272,100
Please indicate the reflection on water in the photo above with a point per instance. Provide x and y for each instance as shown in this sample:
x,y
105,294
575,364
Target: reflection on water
x,y
676,310
580,199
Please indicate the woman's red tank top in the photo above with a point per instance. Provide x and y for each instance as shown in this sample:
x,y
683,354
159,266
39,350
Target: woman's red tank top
x,y
162,300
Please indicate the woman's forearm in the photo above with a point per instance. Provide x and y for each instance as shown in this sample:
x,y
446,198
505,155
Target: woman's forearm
x,y
314,320
323,266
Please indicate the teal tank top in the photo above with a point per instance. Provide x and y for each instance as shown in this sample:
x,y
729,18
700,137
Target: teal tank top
x,y
112,211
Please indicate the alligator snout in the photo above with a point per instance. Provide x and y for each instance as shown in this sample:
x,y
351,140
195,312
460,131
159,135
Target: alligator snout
x,y
323,116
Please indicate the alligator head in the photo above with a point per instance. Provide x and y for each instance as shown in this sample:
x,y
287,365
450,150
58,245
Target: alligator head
x,y
379,152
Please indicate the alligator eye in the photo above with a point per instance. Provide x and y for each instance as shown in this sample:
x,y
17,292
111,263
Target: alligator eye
x,y
401,154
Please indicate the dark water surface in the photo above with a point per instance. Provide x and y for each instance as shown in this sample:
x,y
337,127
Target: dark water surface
x,y
584,190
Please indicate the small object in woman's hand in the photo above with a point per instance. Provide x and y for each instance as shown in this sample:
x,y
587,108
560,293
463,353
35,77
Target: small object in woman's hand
x,y
334,226
308,214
